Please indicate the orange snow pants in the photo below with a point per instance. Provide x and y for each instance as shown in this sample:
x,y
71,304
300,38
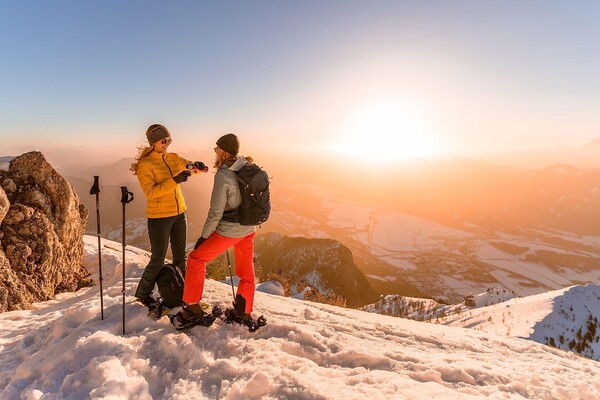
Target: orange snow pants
x,y
243,250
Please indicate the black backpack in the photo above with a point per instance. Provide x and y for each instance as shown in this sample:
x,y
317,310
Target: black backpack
x,y
170,285
253,182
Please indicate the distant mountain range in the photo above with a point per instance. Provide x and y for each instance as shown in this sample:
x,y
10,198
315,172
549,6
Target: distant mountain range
x,y
460,193
5,161
582,156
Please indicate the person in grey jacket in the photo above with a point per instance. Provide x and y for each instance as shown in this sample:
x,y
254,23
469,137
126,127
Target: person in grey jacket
x,y
219,234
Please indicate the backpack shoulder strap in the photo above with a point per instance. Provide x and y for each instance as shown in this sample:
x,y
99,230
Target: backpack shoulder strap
x,y
242,182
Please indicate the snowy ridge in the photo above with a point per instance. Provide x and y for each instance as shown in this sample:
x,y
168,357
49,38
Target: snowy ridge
x,y
62,350
565,318
428,309
493,295
396,305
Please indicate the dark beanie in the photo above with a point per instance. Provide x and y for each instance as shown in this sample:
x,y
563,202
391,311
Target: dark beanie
x,y
229,143
156,132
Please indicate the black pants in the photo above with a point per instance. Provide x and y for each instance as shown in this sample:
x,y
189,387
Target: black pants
x,y
161,231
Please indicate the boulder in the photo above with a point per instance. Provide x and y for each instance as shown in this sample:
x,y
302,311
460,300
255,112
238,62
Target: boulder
x,y
42,223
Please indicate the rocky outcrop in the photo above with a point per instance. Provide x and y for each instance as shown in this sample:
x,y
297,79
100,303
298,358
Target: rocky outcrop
x,y
41,233
323,264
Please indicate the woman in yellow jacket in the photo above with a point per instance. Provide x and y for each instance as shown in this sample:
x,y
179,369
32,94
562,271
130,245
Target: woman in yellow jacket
x,y
160,174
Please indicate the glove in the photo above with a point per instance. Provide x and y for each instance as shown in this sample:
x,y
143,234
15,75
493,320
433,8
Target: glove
x,y
182,177
199,242
201,166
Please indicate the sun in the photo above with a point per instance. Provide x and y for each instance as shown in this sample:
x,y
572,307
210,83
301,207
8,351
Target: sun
x,y
385,131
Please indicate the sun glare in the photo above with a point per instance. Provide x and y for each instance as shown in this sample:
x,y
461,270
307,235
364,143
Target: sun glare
x,y
386,131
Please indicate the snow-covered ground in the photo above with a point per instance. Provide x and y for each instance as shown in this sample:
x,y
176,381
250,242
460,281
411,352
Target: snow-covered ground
x,y
553,317
63,350
566,318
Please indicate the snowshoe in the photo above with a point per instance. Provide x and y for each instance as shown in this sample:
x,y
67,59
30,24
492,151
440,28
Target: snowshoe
x,y
156,309
232,315
195,314
237,314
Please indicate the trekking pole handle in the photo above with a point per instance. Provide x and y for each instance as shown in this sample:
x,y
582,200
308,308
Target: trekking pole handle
x,y
126,195
95,189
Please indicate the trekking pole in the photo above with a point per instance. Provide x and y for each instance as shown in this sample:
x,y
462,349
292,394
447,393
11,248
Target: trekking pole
x,y
96,190
126,197
230,275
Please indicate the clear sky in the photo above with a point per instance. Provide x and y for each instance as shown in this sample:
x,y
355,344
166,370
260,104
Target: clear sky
x,y
406,77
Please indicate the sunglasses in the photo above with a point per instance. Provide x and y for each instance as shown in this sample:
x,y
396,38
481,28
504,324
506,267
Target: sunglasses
x,y
166,141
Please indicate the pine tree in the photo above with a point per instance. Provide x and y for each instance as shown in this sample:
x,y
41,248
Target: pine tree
x,y
470,300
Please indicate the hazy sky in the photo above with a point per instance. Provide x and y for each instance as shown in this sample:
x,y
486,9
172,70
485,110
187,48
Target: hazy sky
x,y
382,76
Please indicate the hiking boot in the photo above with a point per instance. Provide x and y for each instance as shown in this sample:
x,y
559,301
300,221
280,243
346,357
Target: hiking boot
x,y
189,311
237,315
150,302
155,307
238,312
189,315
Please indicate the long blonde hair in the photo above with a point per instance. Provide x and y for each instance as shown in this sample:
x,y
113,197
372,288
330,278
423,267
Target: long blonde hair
x,y
143,151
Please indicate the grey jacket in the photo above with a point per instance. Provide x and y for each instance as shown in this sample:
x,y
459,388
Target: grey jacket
x,y
225,196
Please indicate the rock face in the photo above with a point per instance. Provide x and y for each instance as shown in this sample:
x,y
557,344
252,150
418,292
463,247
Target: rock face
x,y
41,233
324,264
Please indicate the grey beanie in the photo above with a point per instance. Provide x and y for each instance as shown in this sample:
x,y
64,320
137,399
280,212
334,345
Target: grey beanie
x,y
156,132
229,143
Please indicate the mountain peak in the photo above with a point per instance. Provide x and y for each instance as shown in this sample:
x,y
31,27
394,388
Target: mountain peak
x,y
324,264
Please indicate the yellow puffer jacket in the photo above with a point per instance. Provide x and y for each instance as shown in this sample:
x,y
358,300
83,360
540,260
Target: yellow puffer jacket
x,y
155,174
